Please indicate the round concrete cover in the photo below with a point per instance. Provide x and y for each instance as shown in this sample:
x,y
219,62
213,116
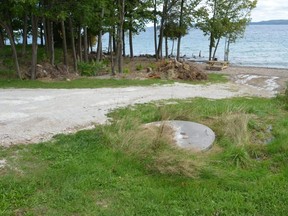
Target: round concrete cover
x,y
192,135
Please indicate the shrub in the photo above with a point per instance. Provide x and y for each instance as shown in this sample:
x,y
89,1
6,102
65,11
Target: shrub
x,y
139,67
90,69
126,71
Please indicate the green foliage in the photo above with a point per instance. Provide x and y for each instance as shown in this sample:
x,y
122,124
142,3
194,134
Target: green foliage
x,y
93,68
139,67
77,83
126,71
224,18
173,30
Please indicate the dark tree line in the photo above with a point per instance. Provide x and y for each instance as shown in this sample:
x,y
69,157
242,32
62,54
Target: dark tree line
x,y
73,25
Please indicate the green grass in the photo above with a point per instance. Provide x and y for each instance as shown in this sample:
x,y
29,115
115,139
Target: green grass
x,y
78,83
93,83
217,78
125,169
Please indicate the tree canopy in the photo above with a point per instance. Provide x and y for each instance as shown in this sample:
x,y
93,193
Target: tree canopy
x,y
224,18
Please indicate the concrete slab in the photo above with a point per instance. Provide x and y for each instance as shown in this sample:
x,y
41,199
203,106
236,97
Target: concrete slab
x,y
191,135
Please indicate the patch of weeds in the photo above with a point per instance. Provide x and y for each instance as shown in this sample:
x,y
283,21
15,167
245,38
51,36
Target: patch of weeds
x,y
153,66
91,68
217,78
126,71
139,67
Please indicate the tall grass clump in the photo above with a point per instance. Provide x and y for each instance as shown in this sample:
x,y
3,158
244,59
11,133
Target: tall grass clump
x,y
233,125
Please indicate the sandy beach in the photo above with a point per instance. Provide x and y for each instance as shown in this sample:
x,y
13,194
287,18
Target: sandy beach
x,y
275,78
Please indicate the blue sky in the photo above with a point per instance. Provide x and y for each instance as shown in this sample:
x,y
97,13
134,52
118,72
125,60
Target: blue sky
x,y
270,10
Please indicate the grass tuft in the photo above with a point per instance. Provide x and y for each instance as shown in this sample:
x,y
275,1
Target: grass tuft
x,y
235,127
238,156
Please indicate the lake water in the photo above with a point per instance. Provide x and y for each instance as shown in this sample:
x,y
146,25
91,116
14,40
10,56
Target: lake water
x,y
262,46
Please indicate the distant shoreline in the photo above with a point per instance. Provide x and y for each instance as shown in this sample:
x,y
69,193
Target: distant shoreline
x,y
271,22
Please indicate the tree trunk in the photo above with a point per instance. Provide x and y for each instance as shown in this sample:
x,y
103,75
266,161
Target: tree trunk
x,y
212,39
85,44
121,6
90,43
9,31
216,47
131,44
163,19
227,50
124,44
41,34
51,42
166,47
111,54
80,44
34,20
172,50
114,42
25,30
211,45
99,45
180,25
65,53
73,44
46,36
2,44
155,30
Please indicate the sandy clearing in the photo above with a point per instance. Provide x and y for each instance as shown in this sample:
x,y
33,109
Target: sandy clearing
x,y
258,77
34,115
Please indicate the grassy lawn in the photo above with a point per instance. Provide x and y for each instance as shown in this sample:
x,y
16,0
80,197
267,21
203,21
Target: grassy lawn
x,y
79,83
97,83
126,169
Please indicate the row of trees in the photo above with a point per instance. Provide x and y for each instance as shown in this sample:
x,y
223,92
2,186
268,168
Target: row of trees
x,y
74,23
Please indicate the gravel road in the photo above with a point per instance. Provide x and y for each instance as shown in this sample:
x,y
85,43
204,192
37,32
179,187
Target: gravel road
x,y
34,115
